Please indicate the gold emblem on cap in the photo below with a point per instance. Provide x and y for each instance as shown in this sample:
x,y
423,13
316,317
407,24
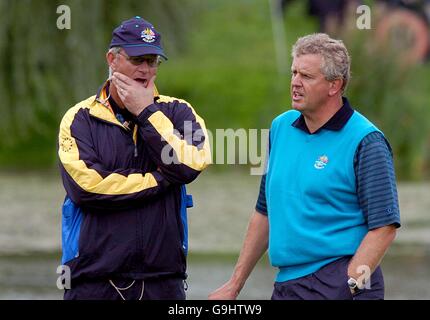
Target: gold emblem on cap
x,y
148,35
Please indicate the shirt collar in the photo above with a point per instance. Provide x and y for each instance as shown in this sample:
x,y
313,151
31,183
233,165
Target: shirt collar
x,y
335,123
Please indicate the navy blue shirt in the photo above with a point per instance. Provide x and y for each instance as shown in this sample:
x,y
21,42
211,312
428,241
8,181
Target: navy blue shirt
x,y
122,114
374,172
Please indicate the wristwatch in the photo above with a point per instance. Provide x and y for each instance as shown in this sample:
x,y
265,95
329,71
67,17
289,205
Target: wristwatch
x,y
352,284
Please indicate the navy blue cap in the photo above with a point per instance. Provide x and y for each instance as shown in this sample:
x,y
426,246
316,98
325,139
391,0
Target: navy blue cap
x,y
137,37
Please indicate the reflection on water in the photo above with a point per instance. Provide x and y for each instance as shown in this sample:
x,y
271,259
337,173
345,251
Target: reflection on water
x,y
34,277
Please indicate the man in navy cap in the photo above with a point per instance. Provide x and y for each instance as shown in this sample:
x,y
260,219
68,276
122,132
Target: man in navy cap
x,y
125,157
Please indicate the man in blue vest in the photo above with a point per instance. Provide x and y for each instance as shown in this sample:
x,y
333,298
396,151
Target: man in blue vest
x,y
327,209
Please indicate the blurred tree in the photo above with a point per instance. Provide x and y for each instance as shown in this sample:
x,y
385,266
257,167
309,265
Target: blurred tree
x,y
393,92
44,70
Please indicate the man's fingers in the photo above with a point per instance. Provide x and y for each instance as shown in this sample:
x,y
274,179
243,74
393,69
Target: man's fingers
x,y
122,78
119,88
150,83
117,82
120,85
120,93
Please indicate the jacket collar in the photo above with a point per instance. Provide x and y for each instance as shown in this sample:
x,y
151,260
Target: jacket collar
x,y
101,108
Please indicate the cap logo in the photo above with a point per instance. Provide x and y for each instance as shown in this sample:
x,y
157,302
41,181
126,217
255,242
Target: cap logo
x,y
148,35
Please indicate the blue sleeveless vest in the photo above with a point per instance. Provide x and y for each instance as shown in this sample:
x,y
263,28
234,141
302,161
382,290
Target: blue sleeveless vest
x,y
313,211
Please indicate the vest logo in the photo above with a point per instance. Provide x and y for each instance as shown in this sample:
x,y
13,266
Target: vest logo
x,y
321,162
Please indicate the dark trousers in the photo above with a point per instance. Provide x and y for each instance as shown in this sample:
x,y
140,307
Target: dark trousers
x,y
149,289
329,283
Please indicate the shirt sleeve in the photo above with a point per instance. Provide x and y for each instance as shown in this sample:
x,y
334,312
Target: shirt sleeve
x,y
261,206
376,182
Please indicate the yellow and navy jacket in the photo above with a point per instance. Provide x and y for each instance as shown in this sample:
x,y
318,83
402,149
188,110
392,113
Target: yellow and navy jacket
x,y
125,210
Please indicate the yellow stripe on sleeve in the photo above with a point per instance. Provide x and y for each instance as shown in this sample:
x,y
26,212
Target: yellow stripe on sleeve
x,y
187,154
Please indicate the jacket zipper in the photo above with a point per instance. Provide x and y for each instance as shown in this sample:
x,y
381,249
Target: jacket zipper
x,y
135,140
133,137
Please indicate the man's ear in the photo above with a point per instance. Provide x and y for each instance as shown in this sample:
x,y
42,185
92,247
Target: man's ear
x,y
335,87
110,57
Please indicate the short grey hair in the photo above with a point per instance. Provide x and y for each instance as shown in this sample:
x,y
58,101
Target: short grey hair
x,y
115,51
336,60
